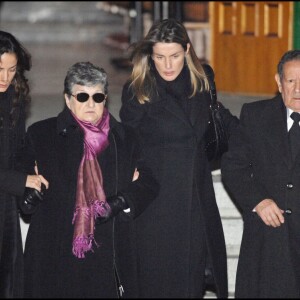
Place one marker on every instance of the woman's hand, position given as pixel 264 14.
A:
pixel 35 181
pixel 136 175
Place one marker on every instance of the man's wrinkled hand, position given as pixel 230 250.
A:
pixel 270 213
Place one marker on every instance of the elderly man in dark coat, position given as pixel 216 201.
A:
pixel 262 172
pixel 81 238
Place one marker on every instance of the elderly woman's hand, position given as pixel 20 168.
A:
pixel 116 204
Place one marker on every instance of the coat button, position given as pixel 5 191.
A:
pixel 290 185
pixel 288 211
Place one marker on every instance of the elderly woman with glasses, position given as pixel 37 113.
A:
pixel 81 242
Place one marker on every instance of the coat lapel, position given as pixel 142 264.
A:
pixel 199 115
pixel 174 108
pixel 200 109
pixel 274 128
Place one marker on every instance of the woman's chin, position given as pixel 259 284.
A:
pixel 3 89
pixel 91 120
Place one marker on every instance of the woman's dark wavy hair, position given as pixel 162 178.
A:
pixel 9 44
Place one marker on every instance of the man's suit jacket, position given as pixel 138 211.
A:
pixel 258 166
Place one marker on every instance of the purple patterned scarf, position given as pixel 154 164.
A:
pixel 90 196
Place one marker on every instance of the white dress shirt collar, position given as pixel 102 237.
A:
pixel 290 121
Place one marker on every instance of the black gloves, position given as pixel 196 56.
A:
pixel 116 203
pixel 31 199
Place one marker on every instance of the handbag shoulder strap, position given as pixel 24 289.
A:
pixel 211 80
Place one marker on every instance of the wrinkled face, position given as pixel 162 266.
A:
pixel 169 59
pixel 88 111
pixel 8 69
pixel 289 86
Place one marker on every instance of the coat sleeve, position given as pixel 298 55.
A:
pixel 237 166
pixel 141 192
pixel 28 162
pixel 12 182
pixel 231 122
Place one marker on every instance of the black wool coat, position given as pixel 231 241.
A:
pixel 181 231
pixel 51 270
pixel 12 184
pixel 256 167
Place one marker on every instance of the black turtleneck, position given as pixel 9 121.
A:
pixel 178 89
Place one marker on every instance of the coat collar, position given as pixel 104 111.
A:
pixel 67 124
pixel 169 95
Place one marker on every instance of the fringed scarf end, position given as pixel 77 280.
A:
pixel 82 245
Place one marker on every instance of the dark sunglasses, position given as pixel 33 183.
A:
pixel 83 97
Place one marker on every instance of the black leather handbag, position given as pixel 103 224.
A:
pixel 216 138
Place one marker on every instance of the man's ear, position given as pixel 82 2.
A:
pixel 277 78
